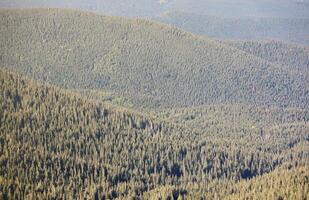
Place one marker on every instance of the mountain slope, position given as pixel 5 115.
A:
pixel 281 53
pixel 154 65
pixel 237 117
pixel 280 184
pixel 56 144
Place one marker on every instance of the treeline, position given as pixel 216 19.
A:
pixel 56 144
pixel 151 64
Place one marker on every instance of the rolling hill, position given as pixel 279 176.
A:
pixel 151 64
pixel 97 107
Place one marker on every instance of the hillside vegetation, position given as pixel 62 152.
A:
pixel 234 118
pixel 95 107
pixel 280 184
pixel 56 144
pixel 290 55
pixel 152 64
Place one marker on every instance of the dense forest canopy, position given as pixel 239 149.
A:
pixel 101 107
pixel 295 57
pixel 60 145
pixel 146 61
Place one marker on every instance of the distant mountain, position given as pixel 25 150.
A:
pixel 249 28
pixel 153 8
pixel 154 65
pixel 228 19
pixel 243 8
pixel 145 8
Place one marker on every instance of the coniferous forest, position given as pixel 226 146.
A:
pixel 101 107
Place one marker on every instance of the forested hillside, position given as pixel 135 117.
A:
pixel 249 28
pixel 56 144
pixel 238 117
pixel 97 107
pixel 280 184
pixel 151 64
pixel 294 56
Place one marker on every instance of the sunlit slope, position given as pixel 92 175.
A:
pixel 280 184
pixel 153 64
pixel 51 138
pixel 57 144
